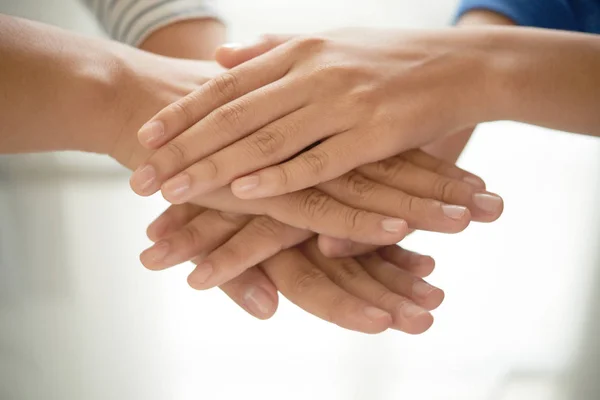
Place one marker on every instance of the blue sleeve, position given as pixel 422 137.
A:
pixel 550 14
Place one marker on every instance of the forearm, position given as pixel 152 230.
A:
pixel 547 78
pixel 52 83
pixel 450 148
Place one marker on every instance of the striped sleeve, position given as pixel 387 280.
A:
pixel 132 21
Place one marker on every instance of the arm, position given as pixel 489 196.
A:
pixel 450 148
pixel 56 89
pixel 52 83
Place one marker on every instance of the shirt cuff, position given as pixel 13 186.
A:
pixel 549 14
pixel 132 21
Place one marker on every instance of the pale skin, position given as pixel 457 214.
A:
pixel 361 96
pixel 98 78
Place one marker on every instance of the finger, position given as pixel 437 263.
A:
pixel 316 211
pixel 309 288
pixel 414 263
pixel 258 240
pixel 270 145
pixel 222 127
pixel 172 219
pixel 357 191
pixel 199 237
pixel 431 163
pixel 350 275
pixel 254 292
pixel 415 180
pixel 230 85
pixel 233 54
pixel 402 282
pixel 326 161
pixel 334 247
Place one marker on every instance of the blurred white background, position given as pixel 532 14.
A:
pixel 80 319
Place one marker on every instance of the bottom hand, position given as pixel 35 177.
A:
pixel 370 293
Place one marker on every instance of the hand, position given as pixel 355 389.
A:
pixel 353 98
pixel 368 294
pixel 370 204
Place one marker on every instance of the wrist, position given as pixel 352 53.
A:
pixel 191 39
pixel 145 84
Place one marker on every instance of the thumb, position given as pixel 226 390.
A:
pixel 233 54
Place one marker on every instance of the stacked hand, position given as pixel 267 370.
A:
pixel 375 203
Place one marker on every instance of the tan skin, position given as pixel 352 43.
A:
pixel 347 91
pixel 127 89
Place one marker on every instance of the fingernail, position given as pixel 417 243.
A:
pixel 375 314
pixel 177 187
pixel 151 132
pixel 143 178
pixel 156 253
pixel 257 301
pixel 454 212
pixel 473 181
pixel 245 184
pixel 411 310
pixel 159 226
pixel 487 202
pixel 394 225
pixel 232 45
pixel 422 289
pixel 201 274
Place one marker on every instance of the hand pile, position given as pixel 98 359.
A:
pixel 298 170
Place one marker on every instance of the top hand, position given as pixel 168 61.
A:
pixel 356 96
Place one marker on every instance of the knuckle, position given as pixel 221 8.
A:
pixel 443 189
pixel 229 115
pixel 183 110
pixel 337 307
pixel 210 168
pixel 266 227
pixel 409 204
pixel 347 271
pixel 231 218
pixel 359 185
pixel 309 43
pixel 305 280
pixel 225 85
pixel 385 297
pixel 177 152
pixel 353 217
pixel 313 203
pixel 265 143
pixel 315 161
pixel 231 253
pixel 191 235
pixel 391 167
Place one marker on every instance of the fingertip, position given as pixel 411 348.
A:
pixel 158 228
pixel 434 299
pixel 143 180
pixel 424 266
pixel 490 206
pixel 333 247
pixel 377 320
pixel 151 134
pixel 413 319
pixel 152 258
pixel 258 302
pixel 199 278
pixel 474 181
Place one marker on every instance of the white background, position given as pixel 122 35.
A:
pixel 81 319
